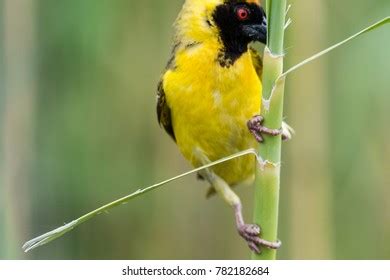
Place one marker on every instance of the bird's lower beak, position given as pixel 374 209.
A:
pixel 257 32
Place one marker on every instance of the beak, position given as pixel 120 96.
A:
pixel 257 32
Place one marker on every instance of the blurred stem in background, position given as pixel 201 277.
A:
pixel 309 186
pixel 17 121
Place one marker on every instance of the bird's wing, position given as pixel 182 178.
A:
pixel 257 62
pixel 163 111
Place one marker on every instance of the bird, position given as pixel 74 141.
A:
pixel 209 96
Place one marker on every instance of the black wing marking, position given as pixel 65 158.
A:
pixel 164 112
pixel 257 62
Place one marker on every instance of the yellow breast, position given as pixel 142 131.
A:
pixel 210 106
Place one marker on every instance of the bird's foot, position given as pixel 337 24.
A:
pixel 255 126
pixel 250 233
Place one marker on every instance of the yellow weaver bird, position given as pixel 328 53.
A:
pixel 209 98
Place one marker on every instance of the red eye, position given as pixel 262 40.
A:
pixel 242 13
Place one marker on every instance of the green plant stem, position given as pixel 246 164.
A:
pixel 60 231
pixel 277 10
pixel 268 177
pixel 372 27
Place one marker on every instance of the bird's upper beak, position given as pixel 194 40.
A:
pixel 257 32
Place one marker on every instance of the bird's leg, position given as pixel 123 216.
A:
pixel 250 232
pixel 255 126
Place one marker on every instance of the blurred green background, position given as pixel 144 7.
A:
pixel 78 129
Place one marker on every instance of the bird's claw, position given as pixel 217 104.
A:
pixel 255 126
pixel 250 233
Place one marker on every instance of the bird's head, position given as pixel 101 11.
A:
pixel 234 22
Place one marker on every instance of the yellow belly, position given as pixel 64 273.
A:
pixel 210 106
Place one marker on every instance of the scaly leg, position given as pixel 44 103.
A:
pixel 255 126
pixel 250 232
